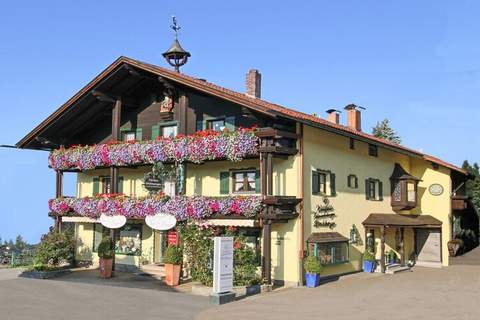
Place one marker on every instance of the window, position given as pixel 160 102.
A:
pixel 169 131
pixel 373 189
pixel 372 150
pixel 244 181
pixel 352 181
pixel 128 136
pixel 106 185
pixel 352 144
pixel 403 189
pixel 216 124
pixel 332 253
pixel 323 183
pixel 128 240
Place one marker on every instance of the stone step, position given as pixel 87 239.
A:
pixel 396 268
pixel 153 270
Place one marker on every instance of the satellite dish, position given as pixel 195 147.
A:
pixel 112 222
pixel 161 221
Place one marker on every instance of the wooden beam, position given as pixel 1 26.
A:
pixel 116 119
pixel 132 71
pixel 382 249
pixel 269 174
pixel 113 98
pixel 58 194
pixel 103 96
pixel 402 246
pixel 267 256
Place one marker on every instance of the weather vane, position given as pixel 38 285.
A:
pixel 175 27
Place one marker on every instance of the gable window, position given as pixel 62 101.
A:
pixel 169 131
pixel 244 181
pixel 129 136
pixel 372 150
pixel 216 124
pixel 352 181
pixel 373 189
pixel 323 182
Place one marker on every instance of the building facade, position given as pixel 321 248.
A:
pixel 322 188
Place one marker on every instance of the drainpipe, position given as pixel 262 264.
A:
pixel 301 207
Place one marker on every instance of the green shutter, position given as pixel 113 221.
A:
pixel 139 134
pixel 333 191
pixel 96 186
pixel 224 182
pixel 380 190
pixel 315 183
pixel 230 123
pixel 257 181
pixel 155 131
pixel 120 185
pixel 367 184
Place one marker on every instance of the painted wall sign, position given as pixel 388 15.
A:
pixel 161 221
pixel 112 222
pixel 222 264
pixel 435 189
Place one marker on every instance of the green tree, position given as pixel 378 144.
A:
pixel 384 131
pixel 20 244
pixel 473 186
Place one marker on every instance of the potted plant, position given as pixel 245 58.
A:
pixel 173 265
pixel 312 271
pixel 391 257
pixel 369 261
pixel 106 254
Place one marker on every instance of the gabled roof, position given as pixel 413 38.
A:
pixel 259 105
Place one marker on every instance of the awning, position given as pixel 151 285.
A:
pixel 80 219
pixel 325 237
pixel 402 220
pixel 229 222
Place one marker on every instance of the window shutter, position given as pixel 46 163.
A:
pixel 155 131
pixel 257 181
pixel 139 134
pixel 333 189
pixel 96 186
pixel 315 183
pixel 230 123
pixel 356 182
pixel 380 190
pixel 120 185
pixel 224 182
pixel 367 184
pixel 349 178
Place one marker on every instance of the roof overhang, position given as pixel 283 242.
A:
pixel 401 220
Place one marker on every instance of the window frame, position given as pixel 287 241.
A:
pixel 355 181
pixel 372 150
pixel 328 188
pixel 330 247
pixel 105 185
pixel 245 173
pixel 162 128
pixel 209 123
pixel 377 189
pixel 127 132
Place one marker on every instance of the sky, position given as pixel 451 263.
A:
pixel 416 63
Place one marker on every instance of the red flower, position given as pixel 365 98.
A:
pixel 237 245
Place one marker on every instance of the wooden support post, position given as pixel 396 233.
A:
pixel 267 257
pixel 58 194
pixel 269 174
pixel 382 249
pixel 402 246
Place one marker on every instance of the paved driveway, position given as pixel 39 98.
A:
pixel 60 299
pixel 433 294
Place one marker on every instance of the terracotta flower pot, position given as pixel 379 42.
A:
pixel 172 274
pixel 106 268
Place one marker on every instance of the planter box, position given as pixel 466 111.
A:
pixel 312 280
pixel 172 274
pixel 369 266
pixel 44 274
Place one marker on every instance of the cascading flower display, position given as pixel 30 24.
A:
pixel 196 148
pixel 182 207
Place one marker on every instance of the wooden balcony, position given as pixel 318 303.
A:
pixel 280 208
pixel 459 202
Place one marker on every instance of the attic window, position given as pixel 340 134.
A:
pixel 372 150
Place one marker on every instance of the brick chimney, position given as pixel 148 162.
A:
pixel 254 83
pixel 333 116
pixel 354 117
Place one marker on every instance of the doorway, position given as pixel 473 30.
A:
pixel 160 243
pixel 428 246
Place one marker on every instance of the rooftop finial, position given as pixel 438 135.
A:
pixel 176 56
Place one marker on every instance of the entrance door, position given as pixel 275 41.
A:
pixel 428 247
pixel 159 245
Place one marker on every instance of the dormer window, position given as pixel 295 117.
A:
pixel 404 189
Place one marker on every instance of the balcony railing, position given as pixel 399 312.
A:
pixel 196 148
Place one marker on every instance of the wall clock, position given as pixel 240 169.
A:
pixel 435 189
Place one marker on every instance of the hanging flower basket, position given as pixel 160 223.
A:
pixel 196 148
pixel 182 207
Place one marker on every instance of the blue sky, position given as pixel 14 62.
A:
pixel 415 63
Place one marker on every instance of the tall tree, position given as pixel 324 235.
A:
pixel 20 244
pixel 384 131
pixel 473 186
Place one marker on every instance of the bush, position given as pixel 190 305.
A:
pixel 173 255
pixel 55 248
pixel 368 256
pixel 105 248
pixel 244 263
pixel 312 265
